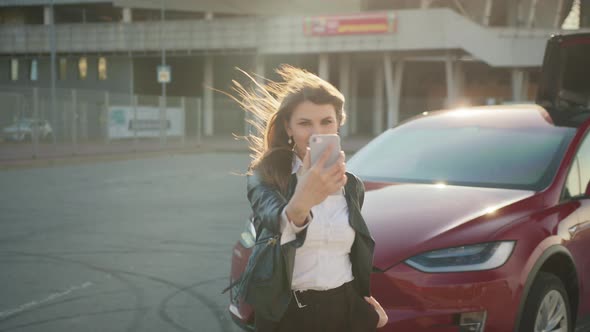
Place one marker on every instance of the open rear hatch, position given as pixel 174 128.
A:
pixel 564 87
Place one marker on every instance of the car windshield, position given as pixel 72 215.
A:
pixel 468 156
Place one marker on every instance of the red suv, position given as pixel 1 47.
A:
pixel 481 216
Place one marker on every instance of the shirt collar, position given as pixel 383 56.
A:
pixel 297 163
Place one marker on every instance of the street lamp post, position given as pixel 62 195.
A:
pixel 54 120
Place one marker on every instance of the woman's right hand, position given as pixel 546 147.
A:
pixel 314 184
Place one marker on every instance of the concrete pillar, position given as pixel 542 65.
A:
pixel 127 15
pixel 260 71
pixel 518 81
pixel 450 74
pixel 378 101
pixel 393 88
pixel 397 92
pixel 558 14
pixel 324 67
pixel 35 133
pixel 532 10
pixel 354 100
pixel 525 86
pixel 74 116
pixel 106 116
pixel 584 13
pixel 84 121
pixel 48 15
pixel 459 77
pixel 344 87
pixel 487 12
pixel 425 3
pixel 183 108
pixel 208 96
pixel 512 13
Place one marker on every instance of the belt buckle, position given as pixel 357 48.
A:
pixel 299 304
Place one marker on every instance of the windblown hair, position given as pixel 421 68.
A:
pixel 269 106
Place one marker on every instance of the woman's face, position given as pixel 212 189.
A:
pixel 308 119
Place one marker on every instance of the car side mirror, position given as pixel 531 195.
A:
pixel 587 192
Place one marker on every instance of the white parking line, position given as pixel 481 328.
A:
pixel 36 303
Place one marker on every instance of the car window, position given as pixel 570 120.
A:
pixel 572 185
pixel 584 161
pixel 524 158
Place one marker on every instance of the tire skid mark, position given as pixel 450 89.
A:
pixel 209 304
pixel 89 314
pixel 164 304
pixel 17 238
pixel 138 293
pixel 56 303
pixel 212 306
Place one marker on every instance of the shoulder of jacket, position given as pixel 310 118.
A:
pixel 253 179
pixel 356 180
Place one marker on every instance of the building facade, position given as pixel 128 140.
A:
pixel 391 59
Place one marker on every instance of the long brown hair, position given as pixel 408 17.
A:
pixel 270 105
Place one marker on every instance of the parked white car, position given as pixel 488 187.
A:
pixel 22 130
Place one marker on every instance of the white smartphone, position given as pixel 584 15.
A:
pixel 319 143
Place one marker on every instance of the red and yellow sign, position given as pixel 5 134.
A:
pixel 375 23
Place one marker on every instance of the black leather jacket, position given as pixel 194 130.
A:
pixel 267 205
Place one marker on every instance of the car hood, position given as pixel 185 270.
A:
pixel 406 219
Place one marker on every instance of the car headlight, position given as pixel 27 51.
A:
pixel 477 257
pixel 248 236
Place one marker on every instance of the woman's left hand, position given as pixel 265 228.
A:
pixel 380 311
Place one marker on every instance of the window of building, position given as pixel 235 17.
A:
pixel 14 69
pixel 63 68
pixel 33 72
pixel 82 68
pixel 102 68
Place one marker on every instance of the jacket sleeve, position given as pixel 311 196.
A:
pixel 267 203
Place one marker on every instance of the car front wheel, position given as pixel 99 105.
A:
pixel 547 307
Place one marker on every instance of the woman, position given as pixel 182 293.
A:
pixel 316 210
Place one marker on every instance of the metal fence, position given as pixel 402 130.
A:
pixel 83 115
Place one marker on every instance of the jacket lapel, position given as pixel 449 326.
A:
pixel 355 218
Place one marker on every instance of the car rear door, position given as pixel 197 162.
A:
pixel 564 86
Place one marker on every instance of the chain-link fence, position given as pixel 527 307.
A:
pixel 91 116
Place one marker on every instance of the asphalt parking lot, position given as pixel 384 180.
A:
pixel 130 245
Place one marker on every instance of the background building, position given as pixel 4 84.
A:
pixel 391 58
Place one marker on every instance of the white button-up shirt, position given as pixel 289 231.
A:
pixel 323 261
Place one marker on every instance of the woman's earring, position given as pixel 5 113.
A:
pixel 290 141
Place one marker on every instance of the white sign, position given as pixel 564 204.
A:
pixel 164 74
pixel 147 124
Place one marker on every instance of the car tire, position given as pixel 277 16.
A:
pixel 547 293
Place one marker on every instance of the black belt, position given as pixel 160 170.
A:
pixel 303 298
